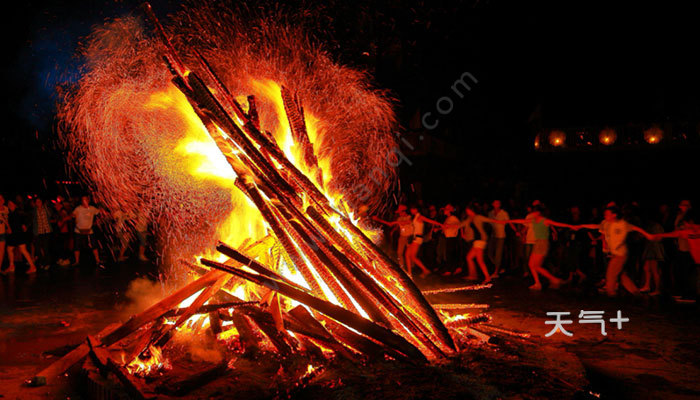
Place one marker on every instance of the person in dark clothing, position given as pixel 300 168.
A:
pixel 430 239
pixel 18 237
pixel 576 247
pixel 42 216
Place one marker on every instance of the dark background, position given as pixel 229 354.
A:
pixel 538 68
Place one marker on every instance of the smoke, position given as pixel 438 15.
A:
pixel 199 347
pixel 141 294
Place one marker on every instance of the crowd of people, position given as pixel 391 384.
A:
pixel 43 233
pixel 645 252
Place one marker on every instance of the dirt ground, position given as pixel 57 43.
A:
pixel 654 356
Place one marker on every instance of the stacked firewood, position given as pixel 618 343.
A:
pixel 356 301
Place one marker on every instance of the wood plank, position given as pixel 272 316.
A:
pixel 48 374
pixel 361 324
pixel 160 308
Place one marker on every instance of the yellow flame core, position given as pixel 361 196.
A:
pixel 205 162
pixel 155 362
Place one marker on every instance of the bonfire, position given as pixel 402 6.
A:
pixel 255 198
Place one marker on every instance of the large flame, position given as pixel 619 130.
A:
pixel 140 145
pixel 143 145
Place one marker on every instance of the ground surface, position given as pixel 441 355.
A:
pixel 655 355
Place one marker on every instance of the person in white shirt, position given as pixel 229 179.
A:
pixel 540 227
pixel 84 216
pixel 615 230
pixel 530 234
pixel 476 253
pixel 418 222
pixel 498 238
pixel 689 230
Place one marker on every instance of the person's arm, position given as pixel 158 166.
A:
pixel 392 223
pixel 494 221
pixel 381 221
pixel 466 222
pixel 642 231
pixel 588 226
pixel 430 221
pixel 674 234
pixel 559 224
pixel 512 226
pixel 515 221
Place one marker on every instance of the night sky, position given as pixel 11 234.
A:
pixel 578 68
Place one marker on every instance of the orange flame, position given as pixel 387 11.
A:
pixel 155 362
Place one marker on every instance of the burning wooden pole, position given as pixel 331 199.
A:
pixel 378 309
pixel 340 314
pixel 420 304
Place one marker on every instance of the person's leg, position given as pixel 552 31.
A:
pixel 95 252
pixel 583 264
pixel 482 265
pixel 470 263
pixel 441 253
pixel 67 245
pixel 535 261
pixel 408 260
pixel 28 257
pixel 656 275
pixel 38 251
pixel 613 273
pixel 526 265
pixel 401 249
pixel 450 254
pixel 491 249
pixel 498 257
pixel 79 242
pixel 628 283
pixel 647 277
pixel 45 249
pixel 554 281
pixel 10 258
pixel 32 249
pixel 415 247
